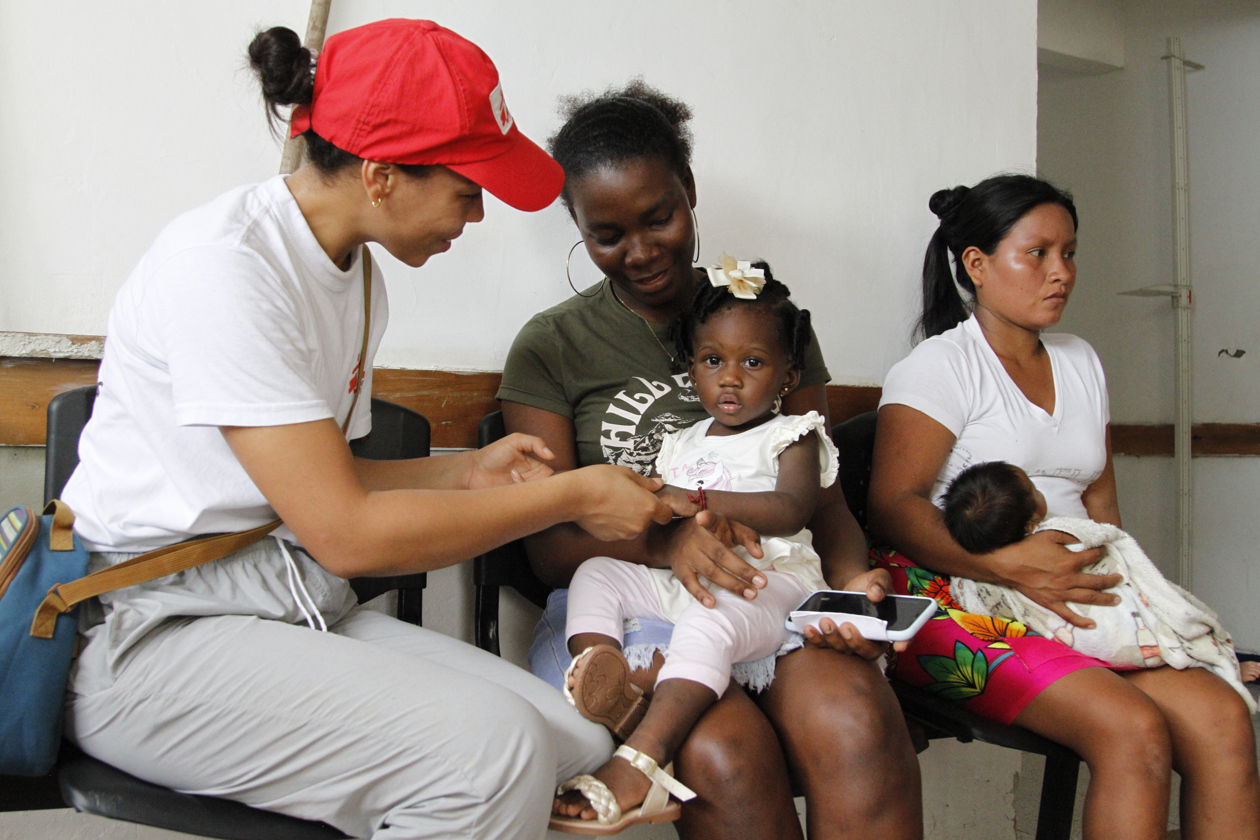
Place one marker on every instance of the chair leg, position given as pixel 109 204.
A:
pixel 1058 797
pixel 411 605
pixel 486 618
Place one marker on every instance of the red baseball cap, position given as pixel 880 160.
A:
pixel 410 91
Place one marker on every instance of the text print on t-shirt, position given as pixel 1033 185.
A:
pixel 626 439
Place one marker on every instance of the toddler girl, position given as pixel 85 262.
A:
pixel 1156 623
pixel 744 341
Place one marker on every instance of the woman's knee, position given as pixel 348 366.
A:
pixel 1222 739
pixel 1132 734
pixel 844 714
pixel 730 750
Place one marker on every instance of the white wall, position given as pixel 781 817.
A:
pixel 821 128
pixel 1107 138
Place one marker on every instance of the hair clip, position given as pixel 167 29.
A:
pixel 739 276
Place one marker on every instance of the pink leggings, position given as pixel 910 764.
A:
pixel 606 592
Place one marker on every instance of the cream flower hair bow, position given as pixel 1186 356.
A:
pixel 739 276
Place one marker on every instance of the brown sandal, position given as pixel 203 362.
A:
pixel 602 691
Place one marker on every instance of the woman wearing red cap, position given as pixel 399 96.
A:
pixel 229 387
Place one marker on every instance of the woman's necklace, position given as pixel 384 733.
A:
pixel 645 321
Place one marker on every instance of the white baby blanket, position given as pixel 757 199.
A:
pixel 1155 623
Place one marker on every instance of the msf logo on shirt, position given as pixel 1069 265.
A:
pixel 356 379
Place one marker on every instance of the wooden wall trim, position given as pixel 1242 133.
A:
pixel 455 401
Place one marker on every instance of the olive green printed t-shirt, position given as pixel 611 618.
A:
pixel 599 364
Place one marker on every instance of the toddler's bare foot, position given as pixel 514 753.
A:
pixel 1250 670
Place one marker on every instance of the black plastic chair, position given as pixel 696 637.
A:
pixel 506 565
pixel 93 787
pixel 855 438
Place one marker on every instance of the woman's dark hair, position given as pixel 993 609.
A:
pixel 636 121
pixel 285 69
pixel 794 332
pixel 988 506
pixel 979 216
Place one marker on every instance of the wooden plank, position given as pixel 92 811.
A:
pixel 26 386
pixel 456 401
pixel 1139 439
pixel 845 401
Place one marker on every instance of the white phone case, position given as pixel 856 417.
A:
pixel 875 629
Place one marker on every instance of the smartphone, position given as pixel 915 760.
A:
pixel 894 619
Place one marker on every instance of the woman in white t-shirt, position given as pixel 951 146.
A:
pixel 227 394
pixel 988 385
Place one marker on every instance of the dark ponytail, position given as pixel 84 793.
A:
pixel 286 71
pixel 979 216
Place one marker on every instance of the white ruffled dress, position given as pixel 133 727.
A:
pixel 747 462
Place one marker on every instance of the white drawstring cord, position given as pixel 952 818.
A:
pixel 295 584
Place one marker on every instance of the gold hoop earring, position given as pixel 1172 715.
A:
pixel 695 227
pixel 569 277
pixel 377 203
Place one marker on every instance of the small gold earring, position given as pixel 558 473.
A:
pixel 377 203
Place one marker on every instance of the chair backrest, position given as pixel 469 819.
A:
pixel 68 413
pixel 397 433
pixel 855 439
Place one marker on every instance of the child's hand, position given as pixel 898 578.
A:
pixel 700 547
pixel 678 500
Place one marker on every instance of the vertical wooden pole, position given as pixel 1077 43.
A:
pixel 1183 302
pixel 316 27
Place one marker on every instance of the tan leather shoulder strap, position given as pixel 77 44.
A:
pixel 367 332
pixel 148 566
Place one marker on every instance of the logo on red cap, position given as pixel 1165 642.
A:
pixel 499 107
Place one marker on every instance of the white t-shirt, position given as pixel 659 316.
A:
pixel 234 317
pixel 956 379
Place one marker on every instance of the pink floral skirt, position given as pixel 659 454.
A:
pixel 991 666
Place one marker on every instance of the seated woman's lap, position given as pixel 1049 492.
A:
pixel 991 666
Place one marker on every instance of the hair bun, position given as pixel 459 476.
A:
pixel 944 202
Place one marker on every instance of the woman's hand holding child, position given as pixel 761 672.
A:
pixel 1040 568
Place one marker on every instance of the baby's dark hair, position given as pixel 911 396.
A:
pixel 794 331
pixel 627 123
pixel 987 506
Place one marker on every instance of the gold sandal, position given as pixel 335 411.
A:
pixel 657 806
